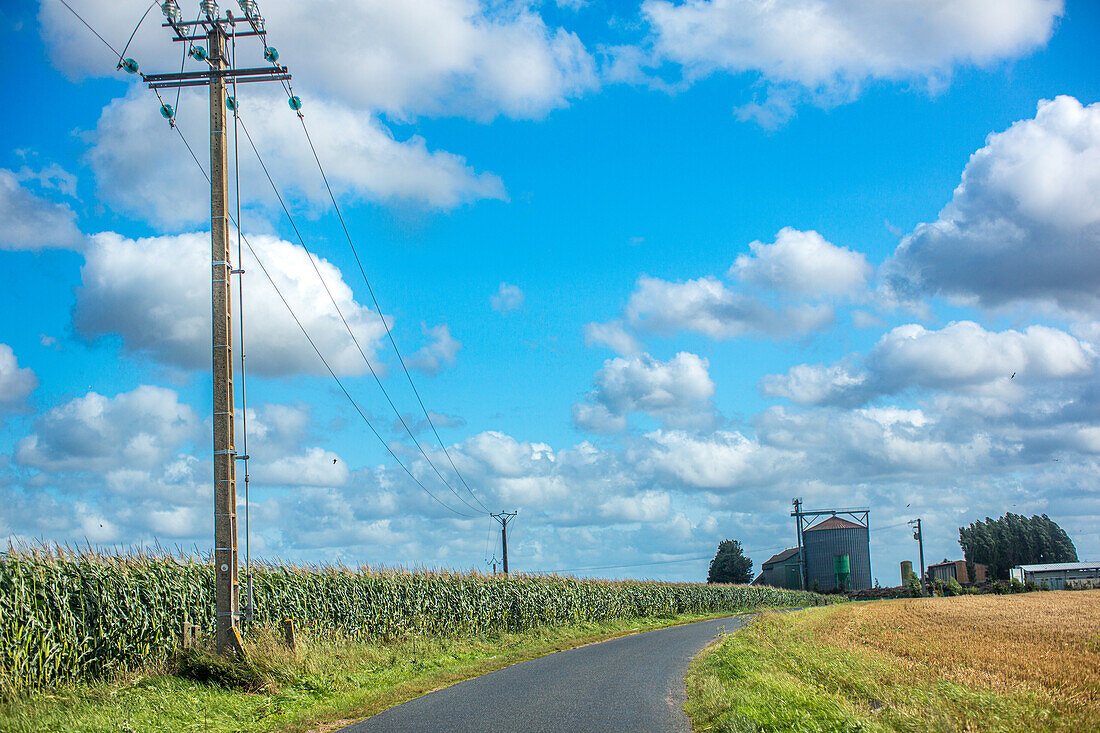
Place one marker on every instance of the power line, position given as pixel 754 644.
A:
pixel 316 350
pixel 362 271
pixel 93 30
pixel 278 292
pixel 340 313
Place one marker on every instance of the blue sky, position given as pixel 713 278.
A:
pixel 657 269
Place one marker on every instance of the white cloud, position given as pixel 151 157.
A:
pixel 720 460
pixel 31 222
pixel 16 382
pixel 961 357
pixel 708 306
pixel 440 353
pixel 677 392
pixel 155 294
pixel 133 153
pixel 445 57
pixel 315 467
pixel 613 335
pixel 831 49
pixel 507 298
pixel 802 263
pixel 139 429
pixel 1023 224
pixel 648 506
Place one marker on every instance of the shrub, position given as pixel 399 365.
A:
pixel 1016 586
pixel 952 588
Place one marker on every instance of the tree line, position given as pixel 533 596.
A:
pixel 1002 544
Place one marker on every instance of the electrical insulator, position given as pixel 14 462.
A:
pixel 166 111
pixel 270 54
pixel 209 8
pixel 248 7
pixel 295 103
pixel 171 11
pixel 231 103
pixel 129 66
pixel 198 53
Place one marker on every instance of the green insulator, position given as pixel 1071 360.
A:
pixel 198 52
pixel 129 66
pixel 270 54
pixel 166 111
pixel 295 103
pixel 231 103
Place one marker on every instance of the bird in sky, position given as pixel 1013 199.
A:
pixel 1013 375
pixel 334 461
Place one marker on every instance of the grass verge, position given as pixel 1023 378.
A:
pixel 325 684
pixel 974 663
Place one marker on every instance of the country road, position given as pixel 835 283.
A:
pixel 633 683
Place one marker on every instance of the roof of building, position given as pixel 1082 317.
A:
pixel 945 562
pixel 1046 567
pixel 781 556
pixel 758 579
pixel 834 523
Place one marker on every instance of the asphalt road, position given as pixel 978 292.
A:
pixel 633 683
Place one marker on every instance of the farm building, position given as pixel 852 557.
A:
pixel 1060 575
pixel 780 571
pixel 837 554
pixel 956 569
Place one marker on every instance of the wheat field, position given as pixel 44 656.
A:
pixel 1044 643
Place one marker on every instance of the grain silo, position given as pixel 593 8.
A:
pixel 838 555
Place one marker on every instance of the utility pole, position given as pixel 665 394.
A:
pixel 215 31
pixel 918 535
pixel 504 518
pixel 797 514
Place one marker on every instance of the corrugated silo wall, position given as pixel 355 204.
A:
pixel 823 545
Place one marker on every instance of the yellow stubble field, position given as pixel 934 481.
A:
pixel 1043 643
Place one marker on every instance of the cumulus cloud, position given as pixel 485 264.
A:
pixel 961 357
pixel 802 263
pixel 710 307
pixel 613 335
pixel 133 154
pixel 155 294
pixel 1023 224
pixel 16 382
pixel 648 506
pixel 440 353
pixel 507 298
pixel 464 57
pixel 830 50
pixel 139 429
pixel 677 392
pixel 31 222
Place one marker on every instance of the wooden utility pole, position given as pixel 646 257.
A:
pixel 918 535
pixel 504 518
pixel 214 30
pixel 226 585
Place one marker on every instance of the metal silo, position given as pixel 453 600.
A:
pixel 838 555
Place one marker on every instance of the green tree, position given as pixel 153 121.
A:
pixel 1013 540
pixel 730 564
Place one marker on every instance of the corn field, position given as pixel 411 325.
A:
pixel 68 616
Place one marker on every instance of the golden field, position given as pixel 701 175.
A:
pixel 1046 643
pixel 1027 662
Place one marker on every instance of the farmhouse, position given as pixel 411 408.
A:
pixel 1060 575
pixel 956 569
pixel 780 571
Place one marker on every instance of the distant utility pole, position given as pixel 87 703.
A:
pixel 918 535
pixel 504 518
pixel 797 514
pixel 215 31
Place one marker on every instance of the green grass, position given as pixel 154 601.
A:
pixel 325 683
pixel 784 673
